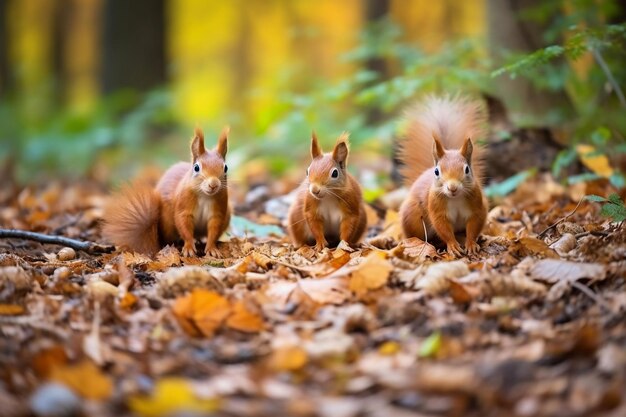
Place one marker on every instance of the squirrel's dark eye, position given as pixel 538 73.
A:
pixel 334 173
pixel 196 167
pixel 466 169
pixel 225 168
pixel 436 172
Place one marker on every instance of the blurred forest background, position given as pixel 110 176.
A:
pixel 103 88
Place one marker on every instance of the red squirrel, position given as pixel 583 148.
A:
pixel 329 205
pixel 190 200
pixel 444 168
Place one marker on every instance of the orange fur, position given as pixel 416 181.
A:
pixel 337 211
pixel 185 204
pixel 441 134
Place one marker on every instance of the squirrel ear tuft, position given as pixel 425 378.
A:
pixel 438 150
pixel 466 150
pixel 340 151
pixel 197 143
pixel 315 146
pixel 222 142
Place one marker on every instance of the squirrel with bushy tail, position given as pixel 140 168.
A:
pixel 442 164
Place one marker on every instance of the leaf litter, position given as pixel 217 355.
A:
pixel 535 324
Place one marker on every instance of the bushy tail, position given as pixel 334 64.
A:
pixel 131 218
pixel 452 120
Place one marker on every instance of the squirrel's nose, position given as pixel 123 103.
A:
pixel 213 183
pixel 453 187
pixel 314 189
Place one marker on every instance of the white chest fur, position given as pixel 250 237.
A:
pixel 458 212
pixel 329 210
pixel 202 213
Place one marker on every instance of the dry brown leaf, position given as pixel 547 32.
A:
pixel 263 261
pixel 531 246
pixel 371 274
pixel 11 310
pixel 168 256
pixel 86 379
pixel 47 359
pixel 244 320
pixel 201 312
pixel 178 281
pixel 135 259
pixel 566 243
pixel 459 293
pixel 552 271
pixel 414 250
pixel 436 278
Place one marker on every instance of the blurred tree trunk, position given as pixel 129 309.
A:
pixel 375 10
pixel 133 47
pixel 7 82
pixel 508 31
pixel 60 21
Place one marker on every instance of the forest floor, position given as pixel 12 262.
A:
pixel 534 325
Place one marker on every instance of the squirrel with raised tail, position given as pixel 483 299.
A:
pixel 190 200
pixel 444 168
pixel 329 205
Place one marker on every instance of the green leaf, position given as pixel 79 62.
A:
pixel 431 345
pixel 509 185
pixel 615 212
pixel 616 199
pixel 562 160
pixel 242 227
pixel 618 180
pixel 595 198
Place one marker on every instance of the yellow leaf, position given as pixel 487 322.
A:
pixel 289 358
pixel 389 348
pixel 597 163
pixel 244 320
pixel 171 396
pixel 85 378
pixel 11 310
pixel 372 274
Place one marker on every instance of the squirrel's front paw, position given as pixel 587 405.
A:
pixel 212 250
pixel 455 249
pixel 189 250
pixel 319 246
pixel 472 248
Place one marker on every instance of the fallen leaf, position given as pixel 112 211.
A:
pixel 531 246
pixel 436 278
pixel 171 396
pixel 47 359
pixel 86 379
pixel 566 243
pixel 11 310
pixel 244 320
pixel 431 345
pixel 169 256
pixel 415 250
pixel 205 309
pixel 288 358
pixel 389 348
pixel 371 274
pixel 595 161
pixel 552 271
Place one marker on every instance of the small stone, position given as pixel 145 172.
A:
pixel 66 254
pixel 54 400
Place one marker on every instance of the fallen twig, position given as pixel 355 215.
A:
pixel 89 247
pixel 555 224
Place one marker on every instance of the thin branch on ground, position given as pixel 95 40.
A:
pixel 555 224
pixel 89 247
